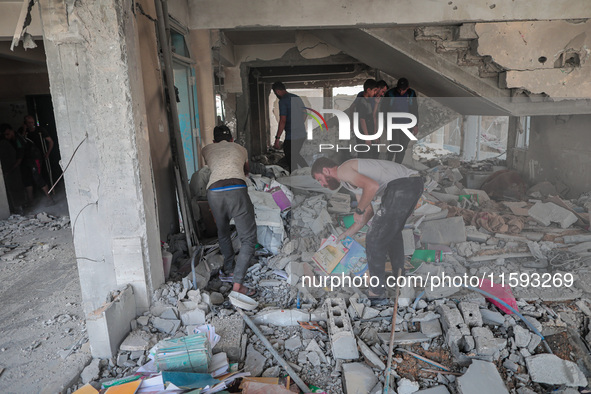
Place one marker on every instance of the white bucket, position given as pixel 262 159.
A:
pixel 166 262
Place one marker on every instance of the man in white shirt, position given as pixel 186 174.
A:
pixel 400 189
pixel 228 199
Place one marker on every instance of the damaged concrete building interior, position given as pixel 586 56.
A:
pixel 116 283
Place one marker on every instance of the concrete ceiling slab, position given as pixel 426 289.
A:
pixel 395 52
pixel 259 37
pixel 302 14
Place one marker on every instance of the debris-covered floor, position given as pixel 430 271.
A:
pixel 476 220
pixel 43 341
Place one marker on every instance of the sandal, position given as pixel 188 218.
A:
pixel 224 278
pixel 250 292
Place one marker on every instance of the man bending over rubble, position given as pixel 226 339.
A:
pixel 400 189
pixel 228 199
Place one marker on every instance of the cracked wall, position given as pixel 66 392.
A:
pixel 551 57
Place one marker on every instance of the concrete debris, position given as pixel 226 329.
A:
pixel 91 372
pixel 547 213
pixel 444 231
pixel 431 328
pixel 486 344
pixel 166 326
pixel 255 361
pixel 550 369
pixel 406 386
pixel 471 314
pixel 320 333
pixel 293 343
pixel 370 357
pixel 492 318
pixel 137 340
pixel 230 330
pixel 358 378
pixel 482 377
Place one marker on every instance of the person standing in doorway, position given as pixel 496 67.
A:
pixel 291 120
pixel 228 199
pixel 42 141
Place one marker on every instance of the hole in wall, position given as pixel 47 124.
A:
pixel 542 59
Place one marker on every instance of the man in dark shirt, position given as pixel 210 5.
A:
pixel 366 125
pixel 11 157
pixel 291 119
pixel 43 142
pixel 401 99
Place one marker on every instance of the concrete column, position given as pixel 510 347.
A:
pixel 511 140
pixel 94 66
pixel 200 43
pixel 470 137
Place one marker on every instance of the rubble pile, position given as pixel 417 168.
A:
pixel 12 230
pixel 522 326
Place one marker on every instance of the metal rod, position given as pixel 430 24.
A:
pixel 269 347
pixel 425 359
pixel 392 334
pixel 176 139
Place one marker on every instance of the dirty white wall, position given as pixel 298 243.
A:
pixel 559 151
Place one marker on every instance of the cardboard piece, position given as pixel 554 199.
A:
pixel 86 389
pixel 126 388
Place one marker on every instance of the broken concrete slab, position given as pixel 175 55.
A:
pixel 471 314
pixel 472 234
pixel 358 378
pixel 407 386
pixel 255 361
pixel 137 340
pixel 293 343
pixel 547 213
pixel 452 318
pixel 193 317
pixel 110 324
pixel 550 369
pixel 522 336
pixel 492 318
pixel 230 329
pixel 443 231
pixel 314 347
pixel 483 378
pixel 431 328
pixel 281 317
pixel 549 294
pixel 166 326
pixel 169 314
pixel 314 359
pixel 518 208
pixel 573 239
pixel 485 342
pixel 370 357
pixel 91 372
